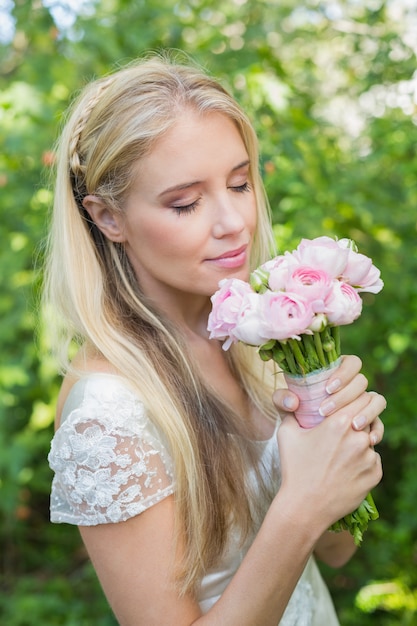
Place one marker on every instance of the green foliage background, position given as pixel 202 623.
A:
pixel 332 89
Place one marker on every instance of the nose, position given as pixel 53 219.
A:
pixel 229 216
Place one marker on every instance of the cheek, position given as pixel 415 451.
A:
pixel 167 239
pixel 253 221
pixel 147 232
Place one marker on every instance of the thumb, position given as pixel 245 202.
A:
pixel 285 400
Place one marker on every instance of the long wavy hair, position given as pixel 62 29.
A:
pixel 92 297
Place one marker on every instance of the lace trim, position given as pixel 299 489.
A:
pixel 108 461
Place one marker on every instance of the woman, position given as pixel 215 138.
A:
pixel 194 507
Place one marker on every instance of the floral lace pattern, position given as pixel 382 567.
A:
pixel 108 459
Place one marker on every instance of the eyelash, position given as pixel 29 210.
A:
pixel 189 208
pixel 242 188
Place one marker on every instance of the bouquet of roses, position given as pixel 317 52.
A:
pixel 292 309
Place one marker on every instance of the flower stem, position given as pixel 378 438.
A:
pixel 291 364
pixel 372 510
pixel 357 521
pixel 311 353
pixel 336 336
pixel 319 349
pixel 329 345
pixel 299 357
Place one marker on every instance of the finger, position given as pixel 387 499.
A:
pixel 349 367
pixel 376 405
pixel 285 400
pixel 377 431
pixel 347 394
pixel 369 417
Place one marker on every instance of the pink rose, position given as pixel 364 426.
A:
pixel 322 253
pixel 272 263
pixel 284 315
pixel 314 285
pixel 362 274
pixel 279 271
pixel 343 306
pixel 249 321
pixel 226 304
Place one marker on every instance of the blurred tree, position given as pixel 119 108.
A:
pixel 331 86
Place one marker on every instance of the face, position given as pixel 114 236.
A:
pixel 190 217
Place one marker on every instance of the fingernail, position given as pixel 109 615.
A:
pixel 359 422
pixel 289 403
pixel 374 439
pixel 326 408
pixel 333 386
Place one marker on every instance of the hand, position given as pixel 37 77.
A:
pixel 344 386
pixel 327 470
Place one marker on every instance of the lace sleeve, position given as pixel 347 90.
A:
pixel 109 462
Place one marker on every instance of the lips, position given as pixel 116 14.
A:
pixel 230 254
pixel 231 260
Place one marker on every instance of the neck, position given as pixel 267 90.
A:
pixel 190 315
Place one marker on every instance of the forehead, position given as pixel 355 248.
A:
pixel 196 142
pixel 191 125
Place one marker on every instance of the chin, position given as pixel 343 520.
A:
pixel 242 274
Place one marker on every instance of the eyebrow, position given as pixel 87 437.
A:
pixel 180 187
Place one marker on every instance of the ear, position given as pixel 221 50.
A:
pixel 110 224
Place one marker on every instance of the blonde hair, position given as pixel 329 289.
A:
pixel 95 299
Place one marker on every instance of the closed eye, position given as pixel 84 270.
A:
pixel 241 188
pixel 186 208
pixel 189 208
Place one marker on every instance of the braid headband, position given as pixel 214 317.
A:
pixel 77 169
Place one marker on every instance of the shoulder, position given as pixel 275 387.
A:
pixel 107 401
pixel 110 461
pixel 85 371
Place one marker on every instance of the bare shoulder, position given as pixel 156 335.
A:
pixel 83 363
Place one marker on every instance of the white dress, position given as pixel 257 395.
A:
pixel 110 464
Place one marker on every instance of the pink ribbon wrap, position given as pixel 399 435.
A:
pixel 311 391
